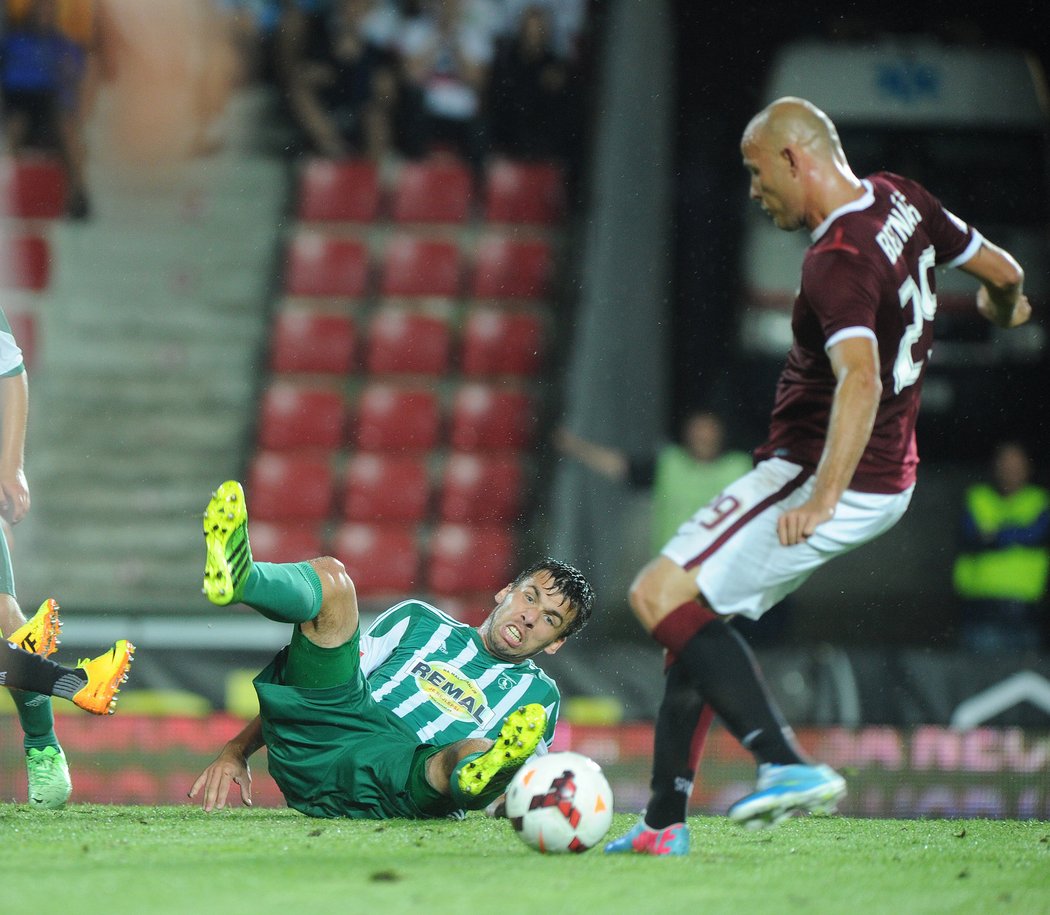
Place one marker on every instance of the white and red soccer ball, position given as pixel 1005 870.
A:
pixel 560 802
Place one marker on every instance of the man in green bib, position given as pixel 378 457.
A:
pixel 419 717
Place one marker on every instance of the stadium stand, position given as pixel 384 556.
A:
pixel 530 193
pixel 324 265
pixel 432 191
pixel 386 487
pixel 506 268
pixel 286 541
pixel 308 341
pixel 382 559
pixel 295 416
pixel 291 486
pixel 339 191
pixel 32 186
pixel 408 413
pixel 420 266
pixel 409 341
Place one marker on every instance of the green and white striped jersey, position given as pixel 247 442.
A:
pixel 10 353
pixel 434 673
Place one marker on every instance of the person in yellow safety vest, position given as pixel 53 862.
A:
pixel 1000 575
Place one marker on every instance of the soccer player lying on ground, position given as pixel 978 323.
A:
pixel 837 470
pixel 93 684
pixel 420 717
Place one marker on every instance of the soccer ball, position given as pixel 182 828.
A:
pixel 560 802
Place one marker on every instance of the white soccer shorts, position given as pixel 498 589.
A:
pixel 731 543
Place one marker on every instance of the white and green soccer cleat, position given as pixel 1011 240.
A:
pixel 229 558
pixel 48 774
pixel 521 733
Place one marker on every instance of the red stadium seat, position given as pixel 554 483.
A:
pixel 308 341
pixel 478 488
pixel 408 341
pixel 420 267
pixel 296 486
pixel 470 558
pixel 344 190
pixel 23 325
pixel 386 487
pixel 395 418
pixel 468 608
pixel 380 558
pixel 293 416
pixel 285 541
pixel 436 191
pixel 489 418
pixel 497 342
pixel 320 265
pixel 25 263
pixel 520 192
pixel 33 187
pixel 509 269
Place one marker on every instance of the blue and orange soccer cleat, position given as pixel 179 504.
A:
pixel 644 840
pixel 39 635
pixel 784 790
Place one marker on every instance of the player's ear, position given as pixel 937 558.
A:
pixel 500 595
pixel 554 646
pixel 788 155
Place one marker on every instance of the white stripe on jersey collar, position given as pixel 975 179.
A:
pixel 861 203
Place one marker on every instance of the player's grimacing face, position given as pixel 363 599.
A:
pixel 529 617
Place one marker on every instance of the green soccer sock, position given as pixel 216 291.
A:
pixel 38 720
pixel 285 592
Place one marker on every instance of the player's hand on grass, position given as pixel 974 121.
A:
pixel 230 768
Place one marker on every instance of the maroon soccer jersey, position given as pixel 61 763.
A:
pixel 869 271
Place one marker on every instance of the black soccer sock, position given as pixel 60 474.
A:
pixel 21 669
pixel 726 674
pixel 678 725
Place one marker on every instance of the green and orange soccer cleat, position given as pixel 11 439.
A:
pixel 104 676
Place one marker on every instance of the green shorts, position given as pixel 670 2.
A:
pixel 335 752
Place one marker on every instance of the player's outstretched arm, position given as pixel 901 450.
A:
pixel 14 407
pixel 855 362
pixel 230 768
pixel 1001 298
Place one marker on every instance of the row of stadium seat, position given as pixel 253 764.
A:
pixel 388 416
pixel 435 191
pixel 398 340
pixel 396 427
pixel 387 559
pixel 413 264
pixel 464 487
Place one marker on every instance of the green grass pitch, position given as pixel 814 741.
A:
pixel 107 859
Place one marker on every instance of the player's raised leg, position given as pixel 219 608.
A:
pixel 93 684
pixel 285 592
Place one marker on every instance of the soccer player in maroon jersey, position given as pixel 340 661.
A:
pixel 836 471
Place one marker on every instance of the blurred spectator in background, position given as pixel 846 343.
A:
pixel 45 52
pixel 682 476
pixel 340 78
pixel 566 18
pixel 1001 572
pixel 446 53
pixel 529 97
